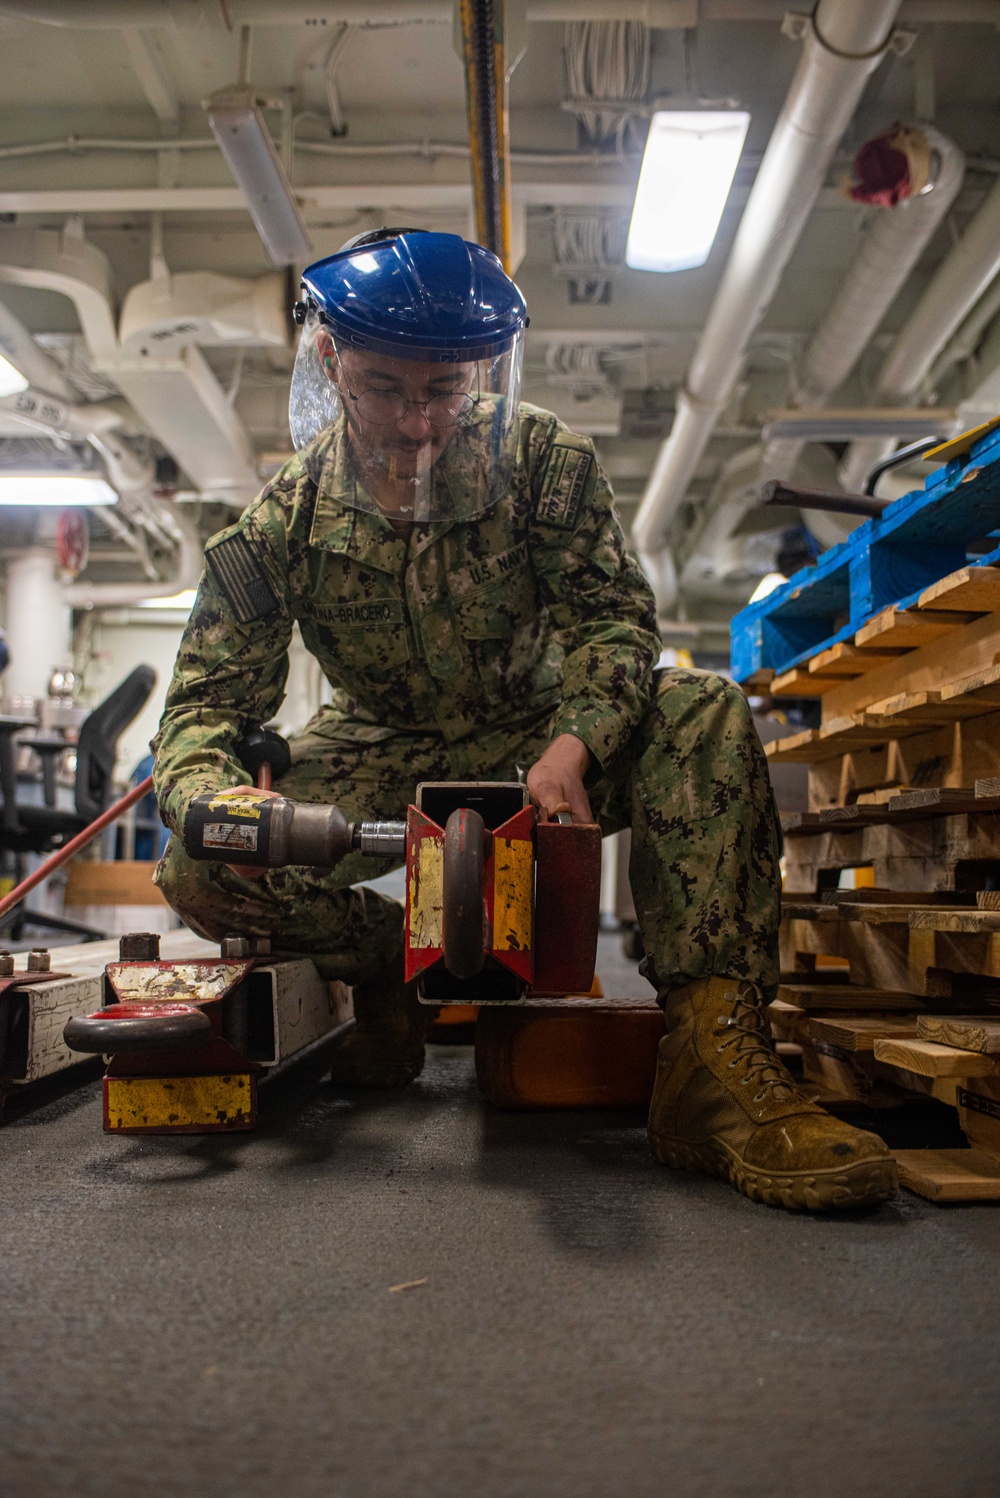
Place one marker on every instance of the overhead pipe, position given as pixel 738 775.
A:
pixel 890 247
pixel 844 41
pixel 961 279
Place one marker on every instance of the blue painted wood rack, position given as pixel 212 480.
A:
pixel 954 520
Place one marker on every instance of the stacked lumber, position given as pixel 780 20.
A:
pixel 892 990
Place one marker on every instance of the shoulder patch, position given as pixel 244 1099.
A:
pixel 563 484
pixel 240 574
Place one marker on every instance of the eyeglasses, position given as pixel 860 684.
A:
pixel 387 407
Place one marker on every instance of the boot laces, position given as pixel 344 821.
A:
pixel 745 1031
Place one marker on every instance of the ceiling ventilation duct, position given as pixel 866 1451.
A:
pixel 176 394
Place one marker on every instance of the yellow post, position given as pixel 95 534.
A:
pixel 487 101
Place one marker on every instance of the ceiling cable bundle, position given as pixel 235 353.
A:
pixel 606 61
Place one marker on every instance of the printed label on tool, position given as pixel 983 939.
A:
pixel 238 804
pixel 230 835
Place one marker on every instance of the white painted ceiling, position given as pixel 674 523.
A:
pixel 403 84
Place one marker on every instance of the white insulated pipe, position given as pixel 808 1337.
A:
pixel 844 42
pixel 38 623
pixel 890 247
pixel 960 280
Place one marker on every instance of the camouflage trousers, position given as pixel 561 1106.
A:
pixel 691 783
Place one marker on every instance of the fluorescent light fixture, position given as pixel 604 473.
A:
pixel 245 142
pixel 58 489
pixel 767 584
pixel 183 601
pixel 687 170
pixel 12 381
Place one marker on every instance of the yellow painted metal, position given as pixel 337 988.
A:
pixel 489 122
pixel 513 891
pixel 962 445
pixel 168 1104
pixel 427 894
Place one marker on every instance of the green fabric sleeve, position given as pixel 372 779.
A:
pixel 600 601
pixel 232 664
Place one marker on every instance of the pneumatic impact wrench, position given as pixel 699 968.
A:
pixel 272 831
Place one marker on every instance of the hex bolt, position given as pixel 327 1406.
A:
pixel 39 960
pixel 235 947
pixel 6 964
pixel 139 946
pixel 260 946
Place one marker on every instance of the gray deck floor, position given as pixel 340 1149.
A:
pixel 214 1316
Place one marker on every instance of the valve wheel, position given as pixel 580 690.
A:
pixel 462 915
pixel 137 1027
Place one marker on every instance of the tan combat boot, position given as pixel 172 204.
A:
pixel 724 1104
pixel 386 1049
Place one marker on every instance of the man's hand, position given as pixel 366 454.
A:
pixel 251 870
pixel 555 782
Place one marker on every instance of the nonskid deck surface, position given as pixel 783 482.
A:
pixel 216 1316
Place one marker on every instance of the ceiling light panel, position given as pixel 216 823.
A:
pixel 59 489
pixel 687 170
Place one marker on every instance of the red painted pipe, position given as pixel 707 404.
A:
pixel 62 855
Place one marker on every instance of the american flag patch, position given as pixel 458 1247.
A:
pixel 240 575
pixel 563 485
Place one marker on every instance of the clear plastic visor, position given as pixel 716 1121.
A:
pixel 415 435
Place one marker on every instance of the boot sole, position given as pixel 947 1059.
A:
pixel 865 1184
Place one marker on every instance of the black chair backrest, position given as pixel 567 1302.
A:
pixel 99 735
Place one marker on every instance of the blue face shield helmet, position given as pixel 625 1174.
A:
pixel 405 392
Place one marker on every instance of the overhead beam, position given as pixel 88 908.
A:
pixel 152 72
pixel 422 195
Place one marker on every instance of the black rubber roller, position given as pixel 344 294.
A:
pixel 137 1027
pixel 463 916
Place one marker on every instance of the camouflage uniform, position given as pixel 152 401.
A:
pixel 459 654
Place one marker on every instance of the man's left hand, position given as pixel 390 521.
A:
pixel 555 782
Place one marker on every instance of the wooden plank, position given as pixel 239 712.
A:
pixel 119 882
pixel 876 915
pixel 907 628
pixel 968 921
pixel 758 681
pixel 981 687
pixel 949 1175
pixel 845 659
pixel 928 1058
pixel 925 707
pixel 802 683
pixel 970 1032
pixel 875 896
pixel 951 658
pixel 974 588
pixel 848 998
pixel 861 1034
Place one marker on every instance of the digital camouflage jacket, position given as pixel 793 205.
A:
pixel 467 624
